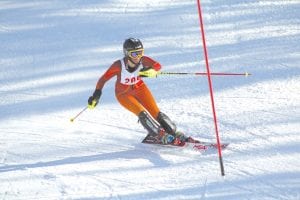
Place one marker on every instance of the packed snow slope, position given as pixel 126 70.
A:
pixel 53 52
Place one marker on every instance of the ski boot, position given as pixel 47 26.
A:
pixel 183 138
pixel 172 140
pixel 167 139
pixel 157 133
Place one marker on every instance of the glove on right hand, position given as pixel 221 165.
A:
pixel 94 100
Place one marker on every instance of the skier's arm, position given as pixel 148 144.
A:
pixel 113 70
pixel 150 63
pixel 151 68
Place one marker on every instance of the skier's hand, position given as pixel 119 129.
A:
pixel 94 100
pixel 150 73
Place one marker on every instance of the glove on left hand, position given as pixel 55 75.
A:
pixel 93 100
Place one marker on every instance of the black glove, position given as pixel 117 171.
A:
pixel 93 100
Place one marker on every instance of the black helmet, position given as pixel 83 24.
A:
pixel 131 44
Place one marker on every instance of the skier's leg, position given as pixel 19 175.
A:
pixel 138 104
pixel 145 97
pixel 130 103
pixel 150 124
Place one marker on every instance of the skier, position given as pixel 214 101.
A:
pixel 134 95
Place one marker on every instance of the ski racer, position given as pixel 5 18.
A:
pixel 135 96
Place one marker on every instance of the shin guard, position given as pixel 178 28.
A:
pixel 166 123
pixel 152 126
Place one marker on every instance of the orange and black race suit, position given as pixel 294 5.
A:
pixel 130 90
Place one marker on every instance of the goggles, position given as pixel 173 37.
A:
pixel 136 53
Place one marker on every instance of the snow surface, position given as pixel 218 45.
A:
pixel 53 52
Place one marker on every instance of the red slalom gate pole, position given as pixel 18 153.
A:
pixel 210 88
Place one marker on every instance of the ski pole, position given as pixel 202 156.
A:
pixel 204 73
pixel 73 118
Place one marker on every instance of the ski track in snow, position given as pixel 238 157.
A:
pixel 52 54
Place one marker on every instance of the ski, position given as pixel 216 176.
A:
pixel 194 145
